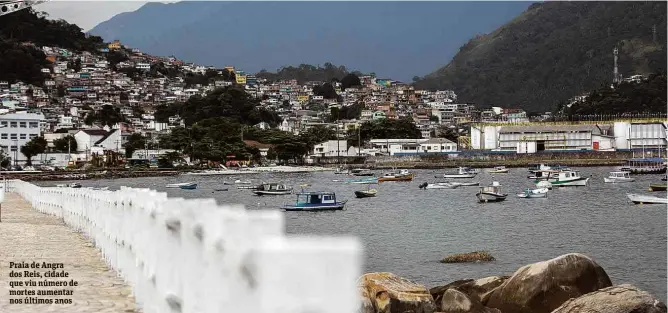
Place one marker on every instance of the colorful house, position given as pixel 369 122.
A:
pixel 115 45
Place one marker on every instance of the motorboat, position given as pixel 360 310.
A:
pixel 643 199
pixel 533 193
pixel 179 185
pixel 568 178
pixel 402 175
pixel 544 167
pixel 542 174
pixel 221 189
pixel 366 193
pixel 645 166
pixel 315 201
pixel 619 177
pixel 462 172
pixel 491 193
pixel 272 189
pixel 444 185
pixel 498 170
pixel 361 172
pixel 370 180
pixel 657 187
pixel 341 170
pixel 189 187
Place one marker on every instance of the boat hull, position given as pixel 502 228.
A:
pixel 503 171
pixel 179 185
pixel 635 170
pixel 531 195
pixel 364 194
pixel 336 207
pixel 485 197
pixel 402 178
pixel 363 174
pixel 618 180
pixel 655 187
pixel 641 199
pixel 272 193
pixel 442 186
pixel 188 187
pixel 580 182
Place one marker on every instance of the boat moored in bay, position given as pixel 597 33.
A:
pixel 533 193
pixel 619 177
pixel 491 193
pixel 268 189
pixel 402 175
pixel 643 199
pixel 315 201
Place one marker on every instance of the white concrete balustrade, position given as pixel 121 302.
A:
pixel 195 256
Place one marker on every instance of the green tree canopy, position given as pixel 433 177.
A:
pixel 33 147
pixel 65 144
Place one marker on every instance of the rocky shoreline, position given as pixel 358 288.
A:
pixel 566 284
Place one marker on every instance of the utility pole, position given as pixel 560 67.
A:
pixel 359 141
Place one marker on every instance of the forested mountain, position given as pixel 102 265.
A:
pixel 21 35
pixel 397 40
pixel 554 51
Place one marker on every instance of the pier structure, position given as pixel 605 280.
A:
pixel 185 255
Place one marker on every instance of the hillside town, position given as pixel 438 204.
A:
pixel 81 84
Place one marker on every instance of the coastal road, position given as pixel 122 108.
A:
pixel 27 236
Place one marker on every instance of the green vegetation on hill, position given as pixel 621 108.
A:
pixel 21 61
pixel 648 96
pixel 305 73
pixel 554 51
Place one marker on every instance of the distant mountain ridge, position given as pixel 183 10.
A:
pixel 396 40
pixel 554 51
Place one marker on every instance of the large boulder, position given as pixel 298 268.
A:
pixel 389 293
pixel 455 301
pixel 472 288
pixel 542 287
pixel 616 299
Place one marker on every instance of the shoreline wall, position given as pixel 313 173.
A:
pixel 195 256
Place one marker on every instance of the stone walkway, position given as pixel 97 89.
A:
pixel 27 235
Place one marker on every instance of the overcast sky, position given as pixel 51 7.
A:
pixel 87 14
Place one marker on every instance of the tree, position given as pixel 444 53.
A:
pixel 65 144
pixel 416 78
pixel 33 147
pixel 327 91
pixel 135 142
pixel 350 80
pixel 108 116
pixel 271 154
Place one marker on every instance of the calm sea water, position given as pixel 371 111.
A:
pixel 406 230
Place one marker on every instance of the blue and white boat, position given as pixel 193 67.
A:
pixel 189 186
pixel 315 201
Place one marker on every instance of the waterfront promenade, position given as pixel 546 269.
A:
pixel 27 235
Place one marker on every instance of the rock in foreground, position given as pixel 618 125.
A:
pixel 455 301
pixel 474 289
pixel 389 293
pixel 477 256
pixel 616 299
pixel 544 286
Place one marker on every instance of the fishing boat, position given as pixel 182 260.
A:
pixel 179 185
pixel 619 177
pixel 272 189
pixel 402 175
pixel 491 193
pixel 315 201
pixel 645 166
pixel 462 172
pixel 189 187
pixel 341 170
pixel 544 167
pixel 568 178
pixel 443 185
pixel 643 199
pixel 498 170
pixel 369 192
pixel 657 187
pixel 533 193
pixel 361 172
pixel 370 180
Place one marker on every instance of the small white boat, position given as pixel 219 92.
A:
pixel 619 177
pixel 533 193
pixel 240 182
pixel 467 184
pixel 642 199
pixel 444 185
pixel 179 185
pixel 462 172
pixel 498 170
pixel 491 193
pixel 544 174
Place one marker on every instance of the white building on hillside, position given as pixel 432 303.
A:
pixel 88 139
pixel 330 148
